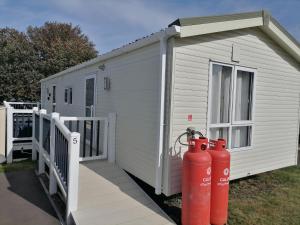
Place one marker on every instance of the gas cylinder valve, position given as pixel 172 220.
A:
pixel 190 133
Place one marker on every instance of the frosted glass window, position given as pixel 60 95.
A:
pixel 241 136
pixel 216 133
pixel 231 105
pixel 221 94
pixel 243 95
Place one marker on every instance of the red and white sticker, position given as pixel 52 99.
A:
pixel 208 171
pixel 226 172
pixel 190 117
pixel 224 180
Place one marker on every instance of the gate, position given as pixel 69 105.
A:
pixel 18 127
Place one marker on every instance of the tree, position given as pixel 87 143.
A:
pixel 26 58
pixel 19 74
pixel 59 46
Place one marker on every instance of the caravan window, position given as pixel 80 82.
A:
pixel 53 94
pixel 231 105
pixel 53 98
pixel 70 96
pixel 66 95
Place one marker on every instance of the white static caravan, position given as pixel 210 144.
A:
pixel 233 76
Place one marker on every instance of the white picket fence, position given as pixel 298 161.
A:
pixel 61 149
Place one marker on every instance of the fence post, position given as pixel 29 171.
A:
pixel 112 137
pixel 72 195
pixel 33 155
pixel 9 133
pixel 52 180
pixel 41 151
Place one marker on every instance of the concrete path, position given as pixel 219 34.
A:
pixel 23 200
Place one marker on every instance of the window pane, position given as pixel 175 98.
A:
pixel 241 136
pixel 216 133
pixel 89 97
pixel 66 95
pixel 54 94
pixel 220 100
pixel 70 96
pixel 243 97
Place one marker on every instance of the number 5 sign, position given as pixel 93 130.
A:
pixel 75 141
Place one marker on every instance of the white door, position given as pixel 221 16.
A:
pixel 90 94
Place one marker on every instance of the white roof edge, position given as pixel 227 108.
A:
pixel 261 19
pixel 281 36
pixel 168 32
pixel 220 26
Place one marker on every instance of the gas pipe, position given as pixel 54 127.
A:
pixel 196 183
pixel 219 181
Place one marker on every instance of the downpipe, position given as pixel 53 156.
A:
pixel 163 65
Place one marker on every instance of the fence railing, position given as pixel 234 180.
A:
pixel 22 105
pixel 46 133
pixel 62 142
pixel 94 136
pixel 36 117
pixel 18 127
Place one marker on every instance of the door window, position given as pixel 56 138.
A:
pixel 89 96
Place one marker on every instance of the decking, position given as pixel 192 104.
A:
pixel 108 196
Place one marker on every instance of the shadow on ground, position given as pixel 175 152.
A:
pixel 23 200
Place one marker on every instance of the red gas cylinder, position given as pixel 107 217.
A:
pixel 196 183
pixel 219 182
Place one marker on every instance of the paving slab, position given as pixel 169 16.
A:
pixel 24 201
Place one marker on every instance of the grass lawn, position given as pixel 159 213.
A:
pixel 271 198
pixel 23 165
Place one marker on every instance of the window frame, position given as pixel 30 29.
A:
pixel 245 69
pixel 68 95
pixel 232 122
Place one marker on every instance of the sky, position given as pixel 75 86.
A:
pixel 110 24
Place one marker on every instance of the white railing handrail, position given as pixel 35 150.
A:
pixel 35 111
pixel 62 127
pixel 22 139
pixel 74 118
pixel 46 116
pixel 22 103
pixel 8 104
pixel 22 110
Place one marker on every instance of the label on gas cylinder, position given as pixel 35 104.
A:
pixel 206 181
pixel 224 180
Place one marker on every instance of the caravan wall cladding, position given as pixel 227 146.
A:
pixel 274 140
pixel 134 96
